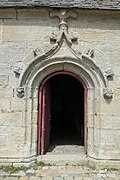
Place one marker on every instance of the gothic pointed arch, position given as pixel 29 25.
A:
pixel 60 54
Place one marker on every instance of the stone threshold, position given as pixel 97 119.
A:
pixel 63 159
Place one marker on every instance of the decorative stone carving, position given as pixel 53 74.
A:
pixel 53 38
pixel 90 52
pixel 109 73
pixel 45 50
pixel 73 38
pixel 37 51
pixel 107 93
pixel 20 92
pixel 17 70
pixel 63 15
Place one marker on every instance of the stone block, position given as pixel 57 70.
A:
pixel 4 104
pixel 35 117
pixel 42 15
pixel 47 178
pixel 11 119
pixel 35 178
pixel 5 68
pixel 24 178
pixel 107 137
pixel 3 139
pixel 1 28
pixel 72 68
pixel 115 56
pixel 8 92
pixel 109 107
pixel 30 173
pixel 22 30
pixel 111 122
pixel 11 178
pixel 16 135
pixel 58 178
pixel 1 92
pixel 14 155
pixel 4 80
pixel 7 13
pixel 18 104
pixel 11 53
pixel 54 67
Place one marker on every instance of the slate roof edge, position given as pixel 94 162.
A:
pixel 79 6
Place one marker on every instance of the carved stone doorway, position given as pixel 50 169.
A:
pixel 61 115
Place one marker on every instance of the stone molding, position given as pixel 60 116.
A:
pixel 90 52
pixel 49 55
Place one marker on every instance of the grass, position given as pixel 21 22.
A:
pixel 111 169
pixel 13 169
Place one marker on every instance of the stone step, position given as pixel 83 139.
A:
pixel 63 159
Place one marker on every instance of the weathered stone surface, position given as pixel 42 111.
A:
pixel 4 105
pixel 11 178
pixel 10 118
pixel 1 28
pixel 58 178
pixel 5 68
pixel 35 178
pixel 33 14
pixel 4 80
pixel 47 178
pixel 64 174
pixel 26 33
pixel 31 173
pixel 16 30
pixel 105 4
pixel 24 178
pixel 17 104
pixel 7 13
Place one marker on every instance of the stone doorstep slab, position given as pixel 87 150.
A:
pixel 63 159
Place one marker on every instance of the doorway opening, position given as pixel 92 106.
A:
pixel 61 116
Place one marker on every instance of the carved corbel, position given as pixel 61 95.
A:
pixel 90 52
pixel 20 92
pixel 36 52
pixel 109 73
pixel 107 93
pixel 53 38
pixel 17 70
pixel 73 38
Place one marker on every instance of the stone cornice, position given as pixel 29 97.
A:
pixel 93 4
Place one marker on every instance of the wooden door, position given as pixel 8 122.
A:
pixel 44 118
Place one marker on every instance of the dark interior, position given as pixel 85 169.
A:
pixel 67 111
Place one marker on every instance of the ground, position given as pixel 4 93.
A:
pixel 42 171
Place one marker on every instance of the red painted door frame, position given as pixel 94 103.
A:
pixel 41 109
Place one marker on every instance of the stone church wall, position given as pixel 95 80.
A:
pixel 21 32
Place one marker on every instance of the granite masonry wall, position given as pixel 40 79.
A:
pixel 25 40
